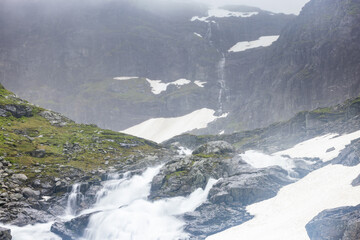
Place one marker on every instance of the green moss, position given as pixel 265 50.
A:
pixel 323 110
pixel 201 155
pixel 176 174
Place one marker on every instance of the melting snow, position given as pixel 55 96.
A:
pixel 285 216
pixel 264 41
pixel 319 147
pixel 222 13
pixel 157 86
pixel 197 34
pixel 261 160
pixel 200 84
pixel 125 78
pixel 161 129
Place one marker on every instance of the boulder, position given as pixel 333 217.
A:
pixel 20 176
pixel 335 224
pixel 72 230
pixel 30 193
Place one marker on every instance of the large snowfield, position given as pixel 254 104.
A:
pixel 285 215
pixel 263 41
pixel 161 129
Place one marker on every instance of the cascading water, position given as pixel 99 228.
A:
pixel 125 212
pixel 72 202
pixel 223 96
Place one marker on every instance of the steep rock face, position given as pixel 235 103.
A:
pixel 335 224
pixel 64 56
pixel 314 63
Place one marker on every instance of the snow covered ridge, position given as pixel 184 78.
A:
pixel 222 13
pixel 263 41
pixel 157 86
pixel 161 129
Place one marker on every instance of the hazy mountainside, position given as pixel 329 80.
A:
pixel 314 63
pixel 65 56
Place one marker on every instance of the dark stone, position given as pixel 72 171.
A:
pixel 330 149
pixel 5 234
pixel 356 182
pixel 73 229
pixel 339 223
pixel 209 219
pixel 18 111
pixel 38 153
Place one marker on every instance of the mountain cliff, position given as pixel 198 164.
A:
pixel 65 56
pixel 314 63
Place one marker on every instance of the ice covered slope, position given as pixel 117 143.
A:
pixel 264 41
pixel 161 129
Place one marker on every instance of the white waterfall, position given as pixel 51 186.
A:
pixel 72 202
pixel 125 213
pixel 223 96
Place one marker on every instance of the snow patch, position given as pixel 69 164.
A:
pixel 263 41
pixel 124 78
pixel 222 13
pixel 326 147
pixel 161 129
pixel 157 86
pixel 197 34
pixel 285 216
pixel 199 83
pixel 261 160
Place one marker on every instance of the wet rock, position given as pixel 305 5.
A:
pixel 73 229
pixel 335 224
pixel 209 219
pixel 5 234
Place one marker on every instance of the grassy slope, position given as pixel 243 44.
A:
pixel 96 148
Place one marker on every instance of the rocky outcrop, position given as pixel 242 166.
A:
pixel 335 224
pixel 216 147
pixel 159 44
pixel 314 63
pixel 5 234
pixel 73 229
pixel 17 111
